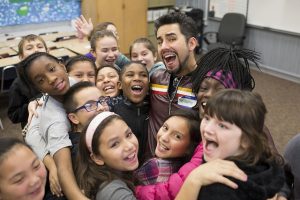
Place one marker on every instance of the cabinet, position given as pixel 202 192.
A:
pixel 156 8
pixel 129 16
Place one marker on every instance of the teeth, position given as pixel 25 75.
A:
pixel 108 87
pixel 136 87
pixel 163 147
pixel 203 104
pixel 131 156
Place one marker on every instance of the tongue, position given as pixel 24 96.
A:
pixel 170 59
pixel 211 145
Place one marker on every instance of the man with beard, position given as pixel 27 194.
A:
pixel 170 88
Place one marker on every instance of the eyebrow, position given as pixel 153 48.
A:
pixel 115 138
pixel 20 173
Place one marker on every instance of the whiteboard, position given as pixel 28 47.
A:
pixel 275 14
pixel 282 15
pixel 221 7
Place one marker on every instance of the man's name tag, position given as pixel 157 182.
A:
pixel 187 101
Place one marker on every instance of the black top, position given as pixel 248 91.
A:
pixel 264 181
pixel 19 97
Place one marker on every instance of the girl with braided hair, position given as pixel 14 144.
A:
pixel 223 68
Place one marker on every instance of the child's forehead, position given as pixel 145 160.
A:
pixel 107 69
pixel 81 63
pixel 135 66
pixel 33 40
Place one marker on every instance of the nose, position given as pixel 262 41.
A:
pixel 34 180
pixel 140 58
pixel 209 127
pixel 102 107
pixel 128 145
pixel 85 78
pixel 209 93
pixel 165 137
pixel 110 54
pixel 164 44
pixel 51 78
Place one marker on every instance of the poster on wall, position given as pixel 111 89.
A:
pixel 218 8
pixel 16 12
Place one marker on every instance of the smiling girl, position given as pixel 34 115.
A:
pixel 107 153
pixel 104 47
pixel 22 175
pixel 176 142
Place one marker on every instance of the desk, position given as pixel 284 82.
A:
pixel 9 61
pixel 10 43
pixel 62 52
pixel 79 46
pixel 53 36
pixel 7 50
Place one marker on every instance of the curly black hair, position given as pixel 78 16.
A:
pixel 237 61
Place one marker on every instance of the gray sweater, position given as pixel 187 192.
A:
pixel 115 190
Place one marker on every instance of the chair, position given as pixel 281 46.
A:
pixel 8 75
pixel 231 32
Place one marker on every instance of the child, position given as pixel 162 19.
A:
pixel 22 174
pixel 45 73
pixel 81 68
pixel 82 102
pixel 176 141
pixel 143 50
pixel 86 28
pixel 232 129
pixel 108 81
pixel 107 152
pixel 19 94
pixel 224 68
pixel 105 48
pixel 134 106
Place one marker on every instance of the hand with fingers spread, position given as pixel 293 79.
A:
pixel 83 27
pixel 209 173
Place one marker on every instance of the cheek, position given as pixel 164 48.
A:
pixel 42 172
pixel 182 146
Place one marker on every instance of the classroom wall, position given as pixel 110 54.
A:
pixel 280 52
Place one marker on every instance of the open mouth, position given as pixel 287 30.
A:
pixel 203 104
pixel 60 85
pixel 110 61
pixel 169 57
pixel 210 145
pixel 137 89
pixel 131 157
pixel 36 191
pixel 162 148
pixel 108 88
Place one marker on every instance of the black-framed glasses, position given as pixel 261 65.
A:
pixel 93 105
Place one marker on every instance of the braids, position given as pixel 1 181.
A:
pixel 234 60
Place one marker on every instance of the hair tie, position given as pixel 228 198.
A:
pixel 96 121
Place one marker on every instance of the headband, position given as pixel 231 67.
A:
pixel 92 127
pixel 224 77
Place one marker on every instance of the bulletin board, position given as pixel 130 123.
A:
pixel 276 15
pixel 17 12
